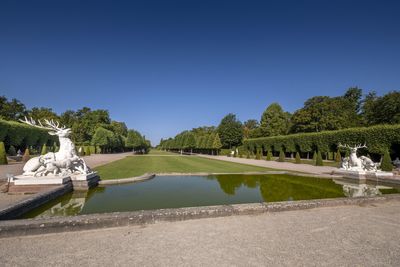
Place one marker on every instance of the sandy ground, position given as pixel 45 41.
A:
pixel 277 165
pixel 334 236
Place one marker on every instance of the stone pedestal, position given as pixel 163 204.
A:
pixel 45 180
pixel 85 181
pixel 365 175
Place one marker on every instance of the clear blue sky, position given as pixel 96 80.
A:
pixel 166 66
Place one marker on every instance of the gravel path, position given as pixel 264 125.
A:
pixel 276 165
pixel 335 236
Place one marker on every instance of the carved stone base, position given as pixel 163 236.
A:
pixel 46 180
pixel 85 181
pixel 364 175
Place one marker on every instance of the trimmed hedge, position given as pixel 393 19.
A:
pixel 378 139
pixel 21 135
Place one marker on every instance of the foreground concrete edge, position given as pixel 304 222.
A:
pixel 94 221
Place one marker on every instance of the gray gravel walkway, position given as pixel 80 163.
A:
pixel 336 236
pixel 276 165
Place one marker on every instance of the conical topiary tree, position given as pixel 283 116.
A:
pixel 3 156
pixel 338 157
pixel 55 147
pixel 298 159
pixel 269 155
pixel 281 156
pixel 319 161
pixel 314 158
pixel 386 164
pixel 87 150
pixel 26 155
pixel 12 151
pixel 258 154
pixel 44 150
pixel 248 154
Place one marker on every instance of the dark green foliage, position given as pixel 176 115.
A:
pixel 385 109
pixel 281 156
pixel 3 156
pixel 322 113
pixel 298 159
pixel 44 149
pixel 274 121
pixel 386 164
pixel 26 155
pixel 11 110
pixel 12 151
pixel 230 131
pixel 248 154
pixel 318 160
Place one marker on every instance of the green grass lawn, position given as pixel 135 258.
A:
pixel 137 165
pixel 159 152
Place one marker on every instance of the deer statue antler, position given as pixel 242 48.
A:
pixel 51 125
pixel 345 146
pixel 361 146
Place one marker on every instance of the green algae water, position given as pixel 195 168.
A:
pixel 190 191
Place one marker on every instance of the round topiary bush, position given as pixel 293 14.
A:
pixel 3 156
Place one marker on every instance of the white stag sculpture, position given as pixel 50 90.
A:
pixel 355 163
pixel 63 162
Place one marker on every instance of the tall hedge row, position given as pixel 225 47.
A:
pixel 21 135
pixel 378 139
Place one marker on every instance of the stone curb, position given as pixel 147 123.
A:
pixel 17 209
pixel 119 219
pixel 127 180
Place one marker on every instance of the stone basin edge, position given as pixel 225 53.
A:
pixel 26 227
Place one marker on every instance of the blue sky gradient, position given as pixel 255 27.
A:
pixel 166 66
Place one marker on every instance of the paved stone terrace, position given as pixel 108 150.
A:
pixel 364 235
pixel 276 165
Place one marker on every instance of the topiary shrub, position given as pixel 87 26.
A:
pixel 386 164
pixel 248 155
pixel 87 151
pixel 3 156
pixel 44 150
pixel 258 154
pixel 281 156
pixel 298 159
pixel 314 158
pixel 12 151
pixel 338 157
pixel 26 155
pixel 319 161
pixel 269 155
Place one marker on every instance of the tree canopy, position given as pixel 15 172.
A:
pixel 230 131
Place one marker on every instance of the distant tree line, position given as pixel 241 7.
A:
pixel 90 129
pixel 318 114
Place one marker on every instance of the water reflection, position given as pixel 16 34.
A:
pixel 190 191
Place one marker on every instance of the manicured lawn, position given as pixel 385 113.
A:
pixel 138 165
pixel 160 152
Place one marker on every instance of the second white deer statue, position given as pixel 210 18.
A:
pixel 355 163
